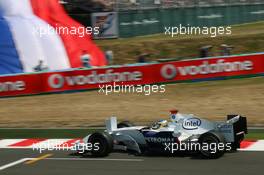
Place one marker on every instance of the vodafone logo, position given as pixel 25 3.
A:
pixel 57 81
pixel 170 71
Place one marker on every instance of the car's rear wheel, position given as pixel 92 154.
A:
pixel 102 144
pixel 125 124
pixel 210 146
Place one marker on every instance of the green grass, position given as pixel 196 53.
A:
pixel 246 38
pixel 77 133
pixel 255 134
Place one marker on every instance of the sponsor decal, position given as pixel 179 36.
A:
pixel 173 116
pixel 159 139
pixel 191 123
pixel 57 81
pixel 169 71
pixel 12 86
pixel 226 128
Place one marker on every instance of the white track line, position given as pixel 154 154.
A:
pixel 9 165
pixel 96 159
pixel 14 163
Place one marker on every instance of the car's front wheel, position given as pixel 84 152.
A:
pixel 102 144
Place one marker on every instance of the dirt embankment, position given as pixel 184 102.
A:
pixel 213 100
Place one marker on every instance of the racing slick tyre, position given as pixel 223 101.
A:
pixel 103 142
pixel 124 124
pixel 210 145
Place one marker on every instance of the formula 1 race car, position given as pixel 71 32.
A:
pixel 184 133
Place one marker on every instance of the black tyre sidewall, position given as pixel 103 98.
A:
pixel 211 138
pixel 105 144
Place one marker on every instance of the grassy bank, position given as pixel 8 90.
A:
pixel 245 38
pixel 210 100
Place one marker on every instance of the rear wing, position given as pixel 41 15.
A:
pixel 239 129
pixel 239 123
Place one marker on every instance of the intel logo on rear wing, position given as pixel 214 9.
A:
pixel 191 123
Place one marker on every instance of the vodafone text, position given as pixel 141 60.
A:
pixel 57 81
pixel 170 71
pixel 12 86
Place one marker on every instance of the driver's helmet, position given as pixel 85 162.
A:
pixel 160 124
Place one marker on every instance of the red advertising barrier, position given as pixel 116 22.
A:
pixel 132 75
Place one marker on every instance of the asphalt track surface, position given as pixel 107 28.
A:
pixel 64 163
